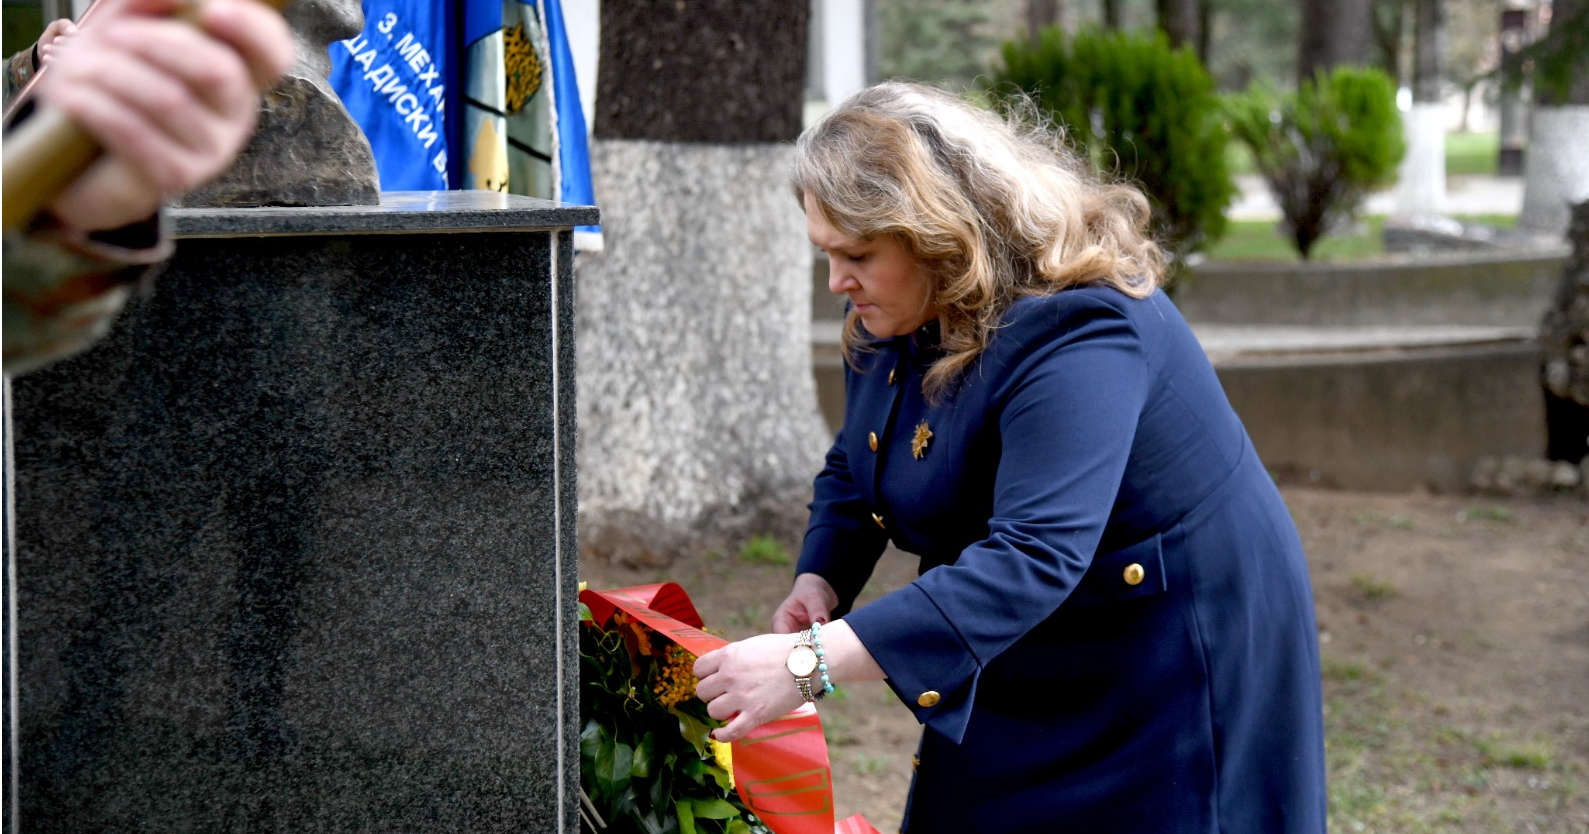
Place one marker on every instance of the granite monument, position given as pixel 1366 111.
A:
pixel 293 549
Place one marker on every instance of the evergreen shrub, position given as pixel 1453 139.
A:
pixel 1322 148
pixel 1137 109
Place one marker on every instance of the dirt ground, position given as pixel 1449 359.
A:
pixel 1455 638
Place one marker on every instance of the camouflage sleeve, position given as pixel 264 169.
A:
pixel 19 71
pixel 63 289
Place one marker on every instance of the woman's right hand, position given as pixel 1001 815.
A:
pixel 811 600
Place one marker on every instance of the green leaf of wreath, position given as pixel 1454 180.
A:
pixel 685 808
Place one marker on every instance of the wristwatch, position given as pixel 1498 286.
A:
pixel 802 663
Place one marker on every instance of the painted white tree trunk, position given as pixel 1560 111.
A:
pixel 1421 183
pixel 694 343
pixel 1555 168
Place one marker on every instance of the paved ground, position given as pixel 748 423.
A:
pixel 1464 195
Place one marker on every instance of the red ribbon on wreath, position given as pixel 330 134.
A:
pixel 781 768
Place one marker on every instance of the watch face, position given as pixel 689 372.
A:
pixel 802 661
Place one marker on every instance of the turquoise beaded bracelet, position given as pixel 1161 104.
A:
pixel 822 659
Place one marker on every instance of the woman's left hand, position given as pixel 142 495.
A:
pixel 747 684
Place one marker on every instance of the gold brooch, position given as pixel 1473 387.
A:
pixel 918 443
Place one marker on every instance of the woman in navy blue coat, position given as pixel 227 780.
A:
pixel 1113 627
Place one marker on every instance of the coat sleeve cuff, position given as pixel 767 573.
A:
pixel 927 662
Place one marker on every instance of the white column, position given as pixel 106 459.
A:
pixel 843 36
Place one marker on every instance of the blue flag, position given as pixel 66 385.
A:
pixel 395 78
pixel 470 94
pixel 573 154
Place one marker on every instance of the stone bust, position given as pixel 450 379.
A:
pixel 307 150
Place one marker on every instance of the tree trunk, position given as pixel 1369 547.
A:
pixel 1387 17
pixel 1333 33
pixel 1178 19
pixel 1205 30
pixel 1112 18
pixel 1041 14
pixel 697 410
pixel 1421 186
pixel 1429 35
pixel 1556 169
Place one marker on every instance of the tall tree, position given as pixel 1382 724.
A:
pixel 697 408
pixel 1205 30
pixel 1333 33
pixel 1041 14
pixel 935 40
pixel 1429 48
pixel 1113 17
pixel 1252 39
pixel 1472 47
pixel 1555 170
pixel 1179 19
pixel 1421 188
pixel 1388 20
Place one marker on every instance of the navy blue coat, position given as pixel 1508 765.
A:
pixel 1113 627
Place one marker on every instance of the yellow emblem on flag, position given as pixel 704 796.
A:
pixel 521 65
pixel 488 165
pixel 918 443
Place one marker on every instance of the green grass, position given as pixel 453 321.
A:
pixel 1371 589
pixel 1401 762
pixel 763 550
pixel 1535 754
pixel 1400 522
pixel 1467 154
pixel 1336 670
pixel 1261 240
pixel 868 765
pixel 1485 512
pixel 1471 153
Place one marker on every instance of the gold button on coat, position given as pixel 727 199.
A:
pixel 1134 574
pixel 871 440
pixel 915 762
pixel 879 519
pixel 929 698
pixel 891 375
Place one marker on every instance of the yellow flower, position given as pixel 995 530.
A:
pixel 675 677
pixel 724 754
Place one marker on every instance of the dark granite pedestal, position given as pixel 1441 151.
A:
pixel 294 548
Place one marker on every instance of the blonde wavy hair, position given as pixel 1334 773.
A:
pixel 994 207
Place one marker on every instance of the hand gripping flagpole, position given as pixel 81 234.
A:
pixel 46 153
